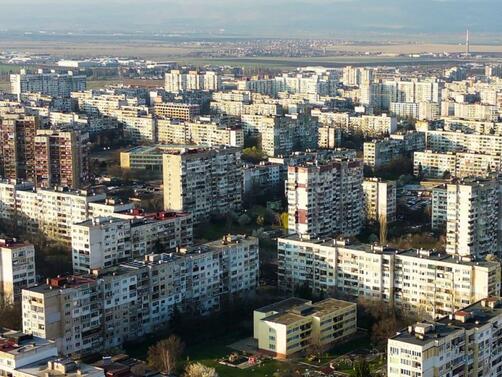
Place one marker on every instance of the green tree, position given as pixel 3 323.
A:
pixel 362 368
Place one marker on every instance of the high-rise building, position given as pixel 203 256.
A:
pixel 91 313
pixel 44 157
pixel 177 81
pixel 61 158
pixel 49 83
pixel 325 198
pixel 473 217
pixel 281 135
pixel 356 76
pixel 380 200
pixel 202 181
pixel 17 268
pixel 17 149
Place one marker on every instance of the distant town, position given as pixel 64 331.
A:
pixel 258 207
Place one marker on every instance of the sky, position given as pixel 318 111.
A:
pixel 280 18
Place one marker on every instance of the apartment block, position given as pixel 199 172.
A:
pixel 92 313
pixel 372 125
pixel 465 343
pixel 475 111
pixel 202 131
pixel 456 141
pixel 17 268
pixel 174 110
pixel 380 201
pixel 422 281
pixel 202 181
pixel 281 135
pixel 48 83
pixel 45 157
pixel 102 242
pixel 17 149
pixel 355 76
pixel 431 164
pixel 54 211
pixel 473 217
pixel 325 198
pixel 61 158
pixel 177 81
pixel 368 125
pixel 264 177
pixel 291 326
pixel 329 137
pixel 378 153
pixel 439 210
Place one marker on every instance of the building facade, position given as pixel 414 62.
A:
pixel 202 181
pixel 89 313
pixel 422 281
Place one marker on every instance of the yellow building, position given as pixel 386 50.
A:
pixel 293 325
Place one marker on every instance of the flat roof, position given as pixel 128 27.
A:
pixel 425 254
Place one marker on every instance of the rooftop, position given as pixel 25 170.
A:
pixel 14 342
pixel 471 317
pixel 386 250
pixel 296 309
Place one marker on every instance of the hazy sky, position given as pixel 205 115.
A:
pixel 256 17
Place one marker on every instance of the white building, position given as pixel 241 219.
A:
pixel 202 181
pixel 92 313
pixel 53 212
pixel 421 281
pixel 473 218
pixel 177 81
pixel 291 326
pixel 380 200
pixel 104 242
pixel 17 268
pixel 466 343
pixel 325 198
pixel 49 83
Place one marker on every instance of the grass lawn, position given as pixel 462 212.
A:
pixel 208 354
pixel 9 68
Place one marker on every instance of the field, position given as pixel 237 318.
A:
pixel 170 50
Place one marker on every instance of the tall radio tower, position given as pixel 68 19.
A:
pixel 467 45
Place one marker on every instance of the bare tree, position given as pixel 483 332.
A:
pixel 164 355
pixel 382 219
pixel 200 370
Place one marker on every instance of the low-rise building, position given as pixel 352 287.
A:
pixel 293 325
